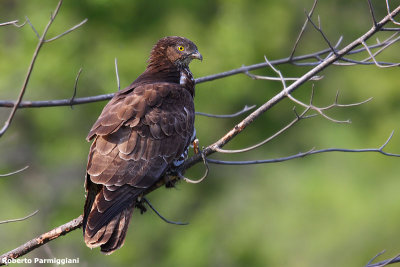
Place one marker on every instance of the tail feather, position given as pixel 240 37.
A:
pixel 117 238
pixel 107 227
pixel 111 236
pixel 102 236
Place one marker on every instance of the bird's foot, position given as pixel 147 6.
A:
pixel 140 205
pixel 196 146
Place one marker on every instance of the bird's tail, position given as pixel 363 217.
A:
pixel 106 219
pixel 112 235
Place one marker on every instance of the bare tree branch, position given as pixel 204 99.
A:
pixel 292 123
pixel 395 259
pixel 319 29
pixel 243 69
pixel 376 256
pixel 57 103
pixel 77 223
pixel 332 56
pixel 307 106
pixel 377 63
pixel 42 40
pixel 41 240
pixel 295 85
pixel 310 152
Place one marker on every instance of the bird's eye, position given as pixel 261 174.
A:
pixel 181 48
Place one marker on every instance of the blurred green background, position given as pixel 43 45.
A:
pixel 324 210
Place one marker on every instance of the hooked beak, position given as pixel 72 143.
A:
pixel 196 55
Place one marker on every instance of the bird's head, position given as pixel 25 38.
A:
pixel 177 50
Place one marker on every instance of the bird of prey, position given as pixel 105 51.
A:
pixel 141 132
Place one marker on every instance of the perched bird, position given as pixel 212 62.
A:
pixel 141 132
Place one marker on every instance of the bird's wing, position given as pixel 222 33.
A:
pixel 139 133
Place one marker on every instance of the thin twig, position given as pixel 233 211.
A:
pixel 240 112
pixel 162 217
pixel 190 181
pixel 268 78
pixel 389 41
pixel 32 27
pixel 371 10
pixel 319 29
pixel 116 73
pixel 373 58
pixel 335 47
pixel 311 106
pixel 293 122
pixel 20 219
pixel 28 75
pixel 67 31
pixel 75 86
pixel 13 23
pixel 388 11
pixel 14 172
pixel 303 29
pixel 336 104
pixel 57 103
pixel 376 256
pixel 383 263
pixel 390 29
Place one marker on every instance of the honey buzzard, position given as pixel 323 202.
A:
pixel 143 130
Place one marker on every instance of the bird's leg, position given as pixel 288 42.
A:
pixel 140 205
pixel 177 167
pixel 170 181
pixel 196 147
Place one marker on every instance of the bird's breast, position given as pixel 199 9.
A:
pixel 186 78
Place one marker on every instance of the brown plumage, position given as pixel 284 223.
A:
pixel 142 130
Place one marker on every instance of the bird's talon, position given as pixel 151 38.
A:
pixel 196 146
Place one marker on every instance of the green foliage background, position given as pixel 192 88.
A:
pixel 325 210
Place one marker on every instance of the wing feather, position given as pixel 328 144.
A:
pixel 159 135
pixel 138 134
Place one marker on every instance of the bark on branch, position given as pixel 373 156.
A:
pixel 41 240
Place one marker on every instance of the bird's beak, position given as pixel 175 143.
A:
pixel 196 55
